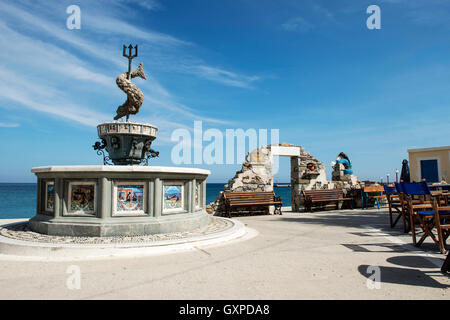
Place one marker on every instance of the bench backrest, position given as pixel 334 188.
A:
pixel 324 194
pixel 259 196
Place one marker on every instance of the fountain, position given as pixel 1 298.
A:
pixel 124 196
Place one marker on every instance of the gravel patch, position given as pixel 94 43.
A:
pixel 22 231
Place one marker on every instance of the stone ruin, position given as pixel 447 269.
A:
pixel 307 173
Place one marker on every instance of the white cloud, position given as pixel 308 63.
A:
pixel 9 125
pixel 64 109
pixel 47 58
pixel 146 4
pixel 222 76
pixel 110 25
pixel 30 54
pixel 298 24
pixel 173 60
pixel 58 31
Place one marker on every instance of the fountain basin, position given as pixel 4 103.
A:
pixel 127 143
pixel 102 201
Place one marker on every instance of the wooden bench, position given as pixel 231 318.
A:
pixel 313 197
pixel 251 199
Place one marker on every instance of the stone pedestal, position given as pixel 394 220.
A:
pixel 119 200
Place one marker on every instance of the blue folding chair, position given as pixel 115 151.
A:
pixel 404 205
pixel 395 205
pixel 421 212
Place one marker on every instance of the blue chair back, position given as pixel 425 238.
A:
pixel 399 187
pixel 389 189
pixel 416 188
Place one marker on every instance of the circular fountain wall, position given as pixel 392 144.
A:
pixel 102 201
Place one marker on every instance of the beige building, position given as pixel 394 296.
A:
pixel 431 164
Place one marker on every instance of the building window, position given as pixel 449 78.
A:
pixel 429 170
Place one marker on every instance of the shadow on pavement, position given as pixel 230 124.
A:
pixel 376 247
pixel 357 219
pixel 353 218
pixel 415 262
pixel 405 276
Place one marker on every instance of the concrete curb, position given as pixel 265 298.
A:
pixel 12 249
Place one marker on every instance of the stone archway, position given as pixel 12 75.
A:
pixel 307 172
pixel 256 174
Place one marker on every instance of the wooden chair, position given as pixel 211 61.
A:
pixel 368 194
pixel 404 202
pixel 426 218
pixel 251 199
pixel 442 221
pixel 418 203
pixel 395 206
pixel 446 265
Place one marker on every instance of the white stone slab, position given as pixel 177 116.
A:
pixel 285 151
pixel 143 169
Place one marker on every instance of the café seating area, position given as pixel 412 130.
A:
pixel 423 209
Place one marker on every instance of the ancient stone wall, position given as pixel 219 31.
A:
pixel 255 175
pixel 307 173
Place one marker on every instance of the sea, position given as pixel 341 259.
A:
pixel 18 200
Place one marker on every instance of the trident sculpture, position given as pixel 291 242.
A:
pixel 130 57
pixel 135 96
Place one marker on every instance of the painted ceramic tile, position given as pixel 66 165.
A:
pixel 130 197
pixel 49 196
pixel 197 195
pixel 173 197
pixel 82 197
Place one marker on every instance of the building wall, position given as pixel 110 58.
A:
pixel 442 154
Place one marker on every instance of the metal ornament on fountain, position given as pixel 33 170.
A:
pixel 127 143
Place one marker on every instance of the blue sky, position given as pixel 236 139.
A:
pixel 309 68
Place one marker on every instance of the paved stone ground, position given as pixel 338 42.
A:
pixel 22 231
pixel 323 255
